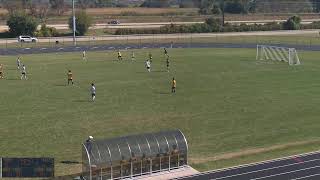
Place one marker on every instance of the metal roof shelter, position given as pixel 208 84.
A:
pixel 134 155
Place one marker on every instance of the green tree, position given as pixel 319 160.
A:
pixel 83 22
pixel 293 23
pixel 22 24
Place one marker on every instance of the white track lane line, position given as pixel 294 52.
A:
pixel 307 177
pixel 257 163
pixel 260 170
pixel 273 175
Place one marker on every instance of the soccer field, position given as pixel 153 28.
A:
pixel 226 102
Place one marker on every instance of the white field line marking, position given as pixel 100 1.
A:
pixel 277 167
pixel 257 163
pixel 313 175
pixel 273 175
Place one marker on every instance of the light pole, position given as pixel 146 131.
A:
pixel 222 8
pixel 74 24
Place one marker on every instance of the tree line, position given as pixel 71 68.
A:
pixel 216 25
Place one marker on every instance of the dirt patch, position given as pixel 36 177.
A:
pixel 248 152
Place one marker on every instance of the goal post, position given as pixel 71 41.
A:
pixel 275 53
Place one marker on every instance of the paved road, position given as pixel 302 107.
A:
pixel 17 51
pixel 313 33
pixel 302 167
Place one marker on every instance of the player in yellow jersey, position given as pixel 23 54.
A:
pixel 1 71
pixel 70 77
pixel 119 55
pixel 174 85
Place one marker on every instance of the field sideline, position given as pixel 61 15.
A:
pixel 226 102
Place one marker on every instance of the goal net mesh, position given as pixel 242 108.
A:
pixel 289 55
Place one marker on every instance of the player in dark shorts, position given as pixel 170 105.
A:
pixel 174 85
pixel 119 56
pixel 93 92
pixel 70 77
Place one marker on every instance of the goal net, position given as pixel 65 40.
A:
pixel 289 55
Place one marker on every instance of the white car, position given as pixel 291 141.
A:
pixel 27 39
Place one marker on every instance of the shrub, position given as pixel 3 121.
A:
pixel 21 24
pixel 293 23
pixel 47 31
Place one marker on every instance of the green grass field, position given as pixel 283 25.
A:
pixel 226 102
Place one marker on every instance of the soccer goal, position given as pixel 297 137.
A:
pixel 289 55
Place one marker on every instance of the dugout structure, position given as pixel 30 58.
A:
pixel 135 155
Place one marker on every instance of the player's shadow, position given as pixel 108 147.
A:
pixel 70 162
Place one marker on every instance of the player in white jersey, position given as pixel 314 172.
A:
pixel 148 65
pixel 18 62
pixel 84 55
pixel 93 91
pixel 23 72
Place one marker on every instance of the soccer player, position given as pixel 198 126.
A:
pixel 150 56
pixel 93 91
pixel 165 51
pixel 119 55
pixel 84 55
pixel 174 85
pixel 168 63
pixel 70 77
pixel 89 144
pixel 148 65
pixel 133 56
pixel 18 62
pixel 23 72
pixel 1 71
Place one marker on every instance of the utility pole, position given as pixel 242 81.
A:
pixel 74 24
pixel 222 8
